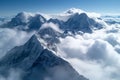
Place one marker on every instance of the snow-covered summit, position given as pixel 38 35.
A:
pixel 74 10
pixel 25 21
pixel 36 22
pixel 23 16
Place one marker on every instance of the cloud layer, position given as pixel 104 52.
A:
pixel 96 55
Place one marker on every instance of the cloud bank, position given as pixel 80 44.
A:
pixel 96 55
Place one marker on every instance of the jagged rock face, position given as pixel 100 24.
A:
pixel 50 66
pixel 36 22
pixel 56 21
pixel 26 22
pixel 19 19
pixel 38 63
pixel 78 22
pixel 81 22
pixel 49 35
pixel 23 55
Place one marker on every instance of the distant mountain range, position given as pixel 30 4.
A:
pixel 77 21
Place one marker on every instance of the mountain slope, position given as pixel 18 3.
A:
pixel 38 63
pixel 81 22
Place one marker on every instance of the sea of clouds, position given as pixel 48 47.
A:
pixel 96 55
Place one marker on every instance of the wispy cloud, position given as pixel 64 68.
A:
pixel 10 38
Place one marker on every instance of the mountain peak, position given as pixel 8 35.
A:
pixel 38 63
pixel 82 16
pixel 23 16
pixel 74 10
pixel 20 19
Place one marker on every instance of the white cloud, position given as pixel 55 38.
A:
pixel 10 38
pixel 73 11
pixel 96 55
pixel 51 25
pixel 93 14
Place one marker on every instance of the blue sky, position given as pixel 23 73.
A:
pixel 11 7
